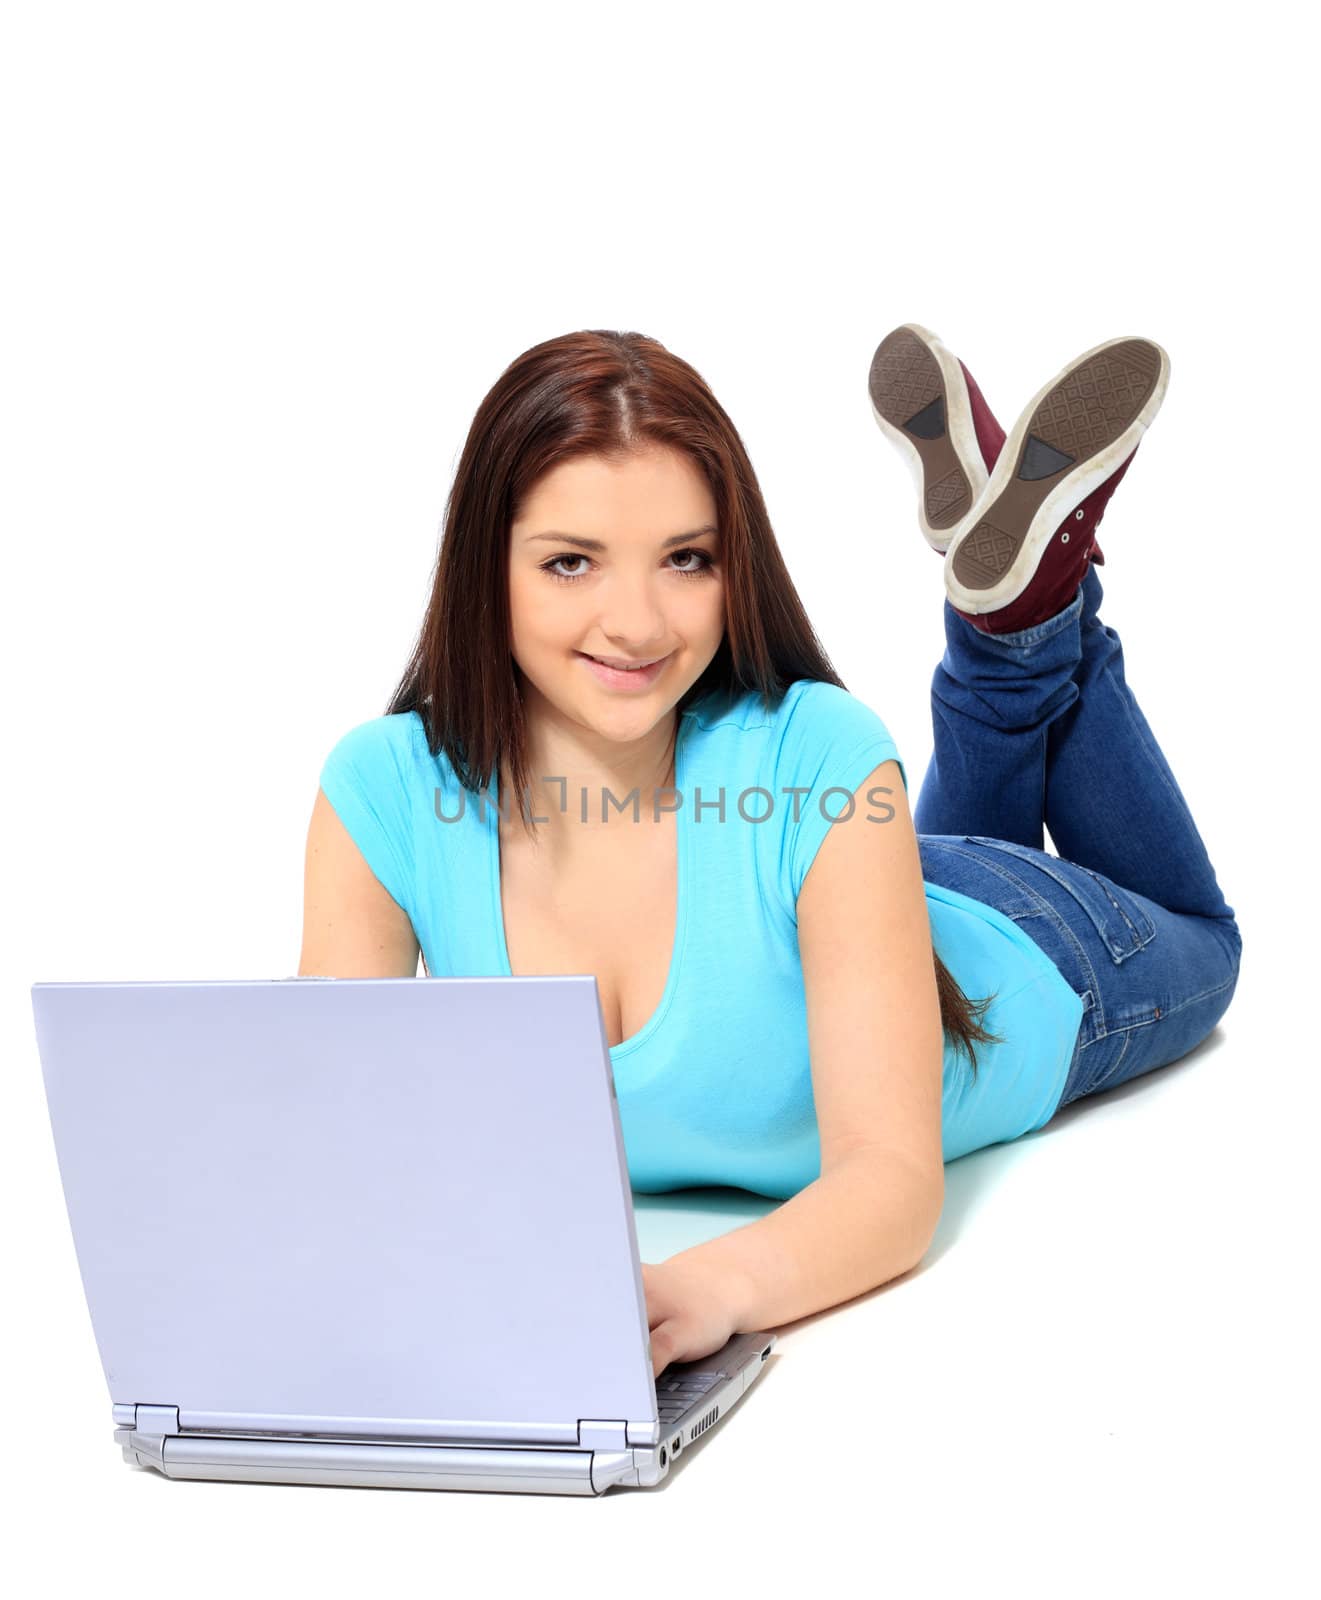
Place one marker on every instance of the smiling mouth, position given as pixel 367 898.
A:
pixel 617 666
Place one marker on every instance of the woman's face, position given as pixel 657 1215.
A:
pixel 615 560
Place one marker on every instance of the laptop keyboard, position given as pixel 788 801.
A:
pixel 675 1394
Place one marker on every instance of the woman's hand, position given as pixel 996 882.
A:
pixel 690 1312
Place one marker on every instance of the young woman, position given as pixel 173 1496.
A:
pixel 619 749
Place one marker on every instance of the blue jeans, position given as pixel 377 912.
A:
pixel 1041 727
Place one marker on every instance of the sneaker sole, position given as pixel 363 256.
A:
pixel 1069 439
pixel 920 402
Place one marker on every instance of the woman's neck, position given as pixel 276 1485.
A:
pixel 579 785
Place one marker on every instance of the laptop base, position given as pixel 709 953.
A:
pixel 344 1463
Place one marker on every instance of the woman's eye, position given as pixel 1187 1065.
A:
pixel 704 564
pixel 704 561
pixel 551 565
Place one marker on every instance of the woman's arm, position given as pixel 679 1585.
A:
pixel 352 928
pixel 869 975
pixel 866 1221
pixel 877 1054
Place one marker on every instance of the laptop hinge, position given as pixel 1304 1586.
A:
pixel 602 1435
pixel 141 1432
pixel 148 1419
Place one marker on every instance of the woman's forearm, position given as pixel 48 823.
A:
pixel 865 1221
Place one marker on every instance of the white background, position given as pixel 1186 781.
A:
pixel 261 264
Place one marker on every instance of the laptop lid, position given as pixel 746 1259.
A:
pixel 363 1208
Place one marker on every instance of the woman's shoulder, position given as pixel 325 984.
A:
pixel 387 750
pixel 814 734
pixel 818 721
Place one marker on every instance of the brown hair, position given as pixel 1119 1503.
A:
pixel 609 394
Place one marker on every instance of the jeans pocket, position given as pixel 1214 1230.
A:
pixel 1123 926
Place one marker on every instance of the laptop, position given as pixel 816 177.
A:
pixel 366 1231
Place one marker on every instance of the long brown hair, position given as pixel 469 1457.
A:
pixel 602 393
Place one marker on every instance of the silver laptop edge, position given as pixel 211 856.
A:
pixel 260 1185
pixel 151 1437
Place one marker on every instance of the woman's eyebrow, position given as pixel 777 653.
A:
pixel 599 544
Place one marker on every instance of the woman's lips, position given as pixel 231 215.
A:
pixel 614 678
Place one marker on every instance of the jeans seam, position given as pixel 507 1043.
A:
pixel 1128 1031
pixel 1159 1013
pixel 1114 1065
pixel 1194 998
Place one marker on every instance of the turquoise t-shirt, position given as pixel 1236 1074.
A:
pixel 716 1087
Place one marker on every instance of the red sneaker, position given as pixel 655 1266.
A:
pixel 928 405
pixel 1021 552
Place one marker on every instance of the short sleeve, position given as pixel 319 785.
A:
pixel 367 779
pixel 829 743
